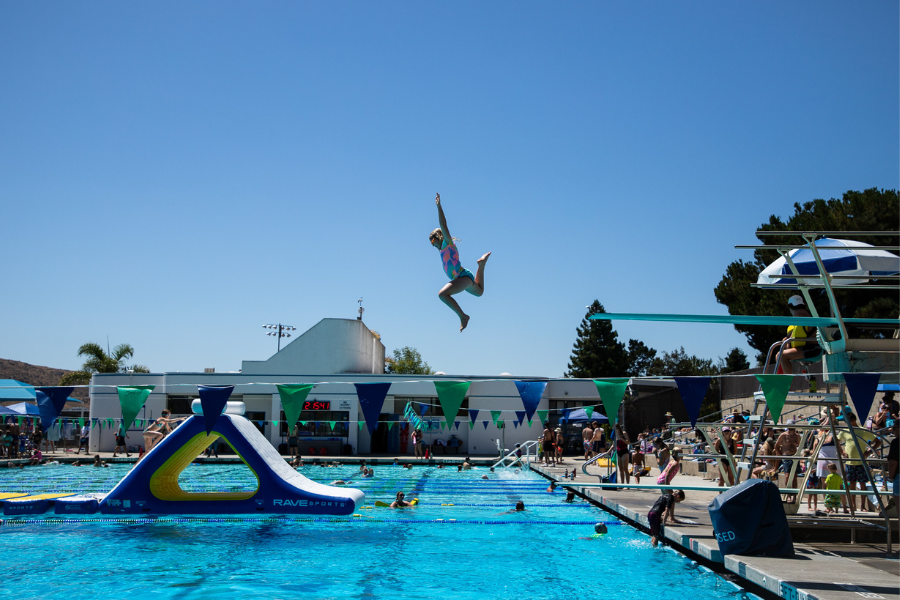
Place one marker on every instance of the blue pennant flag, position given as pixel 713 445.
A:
pixel 531 393
pixel 692 390
pixel 371 399
pixel 473 413
pixel 456 424
pixel 862 388
pixel 485 424
pixel 520 416
pixel 213 399
pixel 50 403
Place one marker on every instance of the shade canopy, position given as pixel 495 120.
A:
pixel 839 257
pixel 579 415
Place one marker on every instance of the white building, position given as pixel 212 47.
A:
pixel 335 354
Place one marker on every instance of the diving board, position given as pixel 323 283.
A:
pixel 741 319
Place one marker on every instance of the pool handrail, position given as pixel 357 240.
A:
pixel 526 447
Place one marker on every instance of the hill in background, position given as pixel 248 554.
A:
pixel 36 376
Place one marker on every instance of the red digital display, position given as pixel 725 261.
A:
pixel 317 405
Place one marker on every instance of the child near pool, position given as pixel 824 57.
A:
pixel 460 279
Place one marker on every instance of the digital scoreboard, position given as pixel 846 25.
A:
pixel 317 405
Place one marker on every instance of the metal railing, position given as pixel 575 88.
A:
pixel 515 459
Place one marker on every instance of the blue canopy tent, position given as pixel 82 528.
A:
pixel 25 408
pixel 7 411
pixel 888 387
pixel 10 389
pixel 578 415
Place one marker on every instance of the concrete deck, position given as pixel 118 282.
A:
pixel 827 571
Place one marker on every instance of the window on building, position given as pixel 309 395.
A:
pixel 258 418
pixel 318 423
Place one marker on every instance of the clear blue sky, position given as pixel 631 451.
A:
pixel 174 175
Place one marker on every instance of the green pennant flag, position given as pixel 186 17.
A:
pixel 302 423
pixel 542 415
pixel 471 425
pixel 529 422
pixel 360 423
pixel 442 425
pixel 274 423
pixel 139 423
pixel 589 412
pixel 390 424
pixel 331 423
pixel 450 395
pixel 132 399
pixel 292 399
pixel 775 388
pixel 81 422
pixel 495 414
pixel 611 391
pixel 21 421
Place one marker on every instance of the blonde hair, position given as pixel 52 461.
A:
pixel 437 234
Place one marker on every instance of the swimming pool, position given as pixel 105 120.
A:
pixel 468 550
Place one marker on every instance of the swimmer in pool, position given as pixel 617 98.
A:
pixel 552 487
pixel 400 502
pixel 460 279
pixel 599 531
pixel 520 507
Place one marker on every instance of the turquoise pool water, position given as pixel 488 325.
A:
pixel 418 553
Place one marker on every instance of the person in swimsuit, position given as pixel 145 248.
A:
pixel 547 446
pixel 460 279
pixel 623 457
pixel 400 502
pixel 663 510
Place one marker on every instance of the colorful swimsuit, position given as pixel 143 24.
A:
pixel 450 258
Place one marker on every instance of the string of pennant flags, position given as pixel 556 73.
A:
pixel 213 399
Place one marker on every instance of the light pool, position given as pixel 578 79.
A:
pixel 418 553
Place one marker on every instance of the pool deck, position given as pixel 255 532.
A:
pixel 823 571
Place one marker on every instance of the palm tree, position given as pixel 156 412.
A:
pixel 98 361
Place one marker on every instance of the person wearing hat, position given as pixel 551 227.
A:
pixel 798 349
pixel 559 443
pixel 720 449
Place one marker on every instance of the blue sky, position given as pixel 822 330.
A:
pixel 174 175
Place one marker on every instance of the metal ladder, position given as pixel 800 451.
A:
pixel 516 460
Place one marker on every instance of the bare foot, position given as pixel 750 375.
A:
pixel 463 321
pixel 483 259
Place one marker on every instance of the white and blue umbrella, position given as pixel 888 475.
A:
pixel 840 257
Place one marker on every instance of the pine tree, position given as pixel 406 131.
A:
pixel 597 352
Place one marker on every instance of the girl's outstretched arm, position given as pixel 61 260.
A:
pixel 442 221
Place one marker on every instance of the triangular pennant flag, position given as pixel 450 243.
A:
pixel 542 415
pixel 456 424
pixel 495 414
pixel 81 422
pixel 471 425
pixel 611 393
pixel 862 388
pixel 450 395
pixel 473 414
pixel 588 411
pixel 274 423
pixel 360 423
pixel 529 422
pixel 50 402
pixel 485 424
pixel 422 408
pixel 213 399
pixel 515 424
pixel 132 399
pixel 303 423
pixel 530 392
pixel 139 423
pixel 442 425
pixel 332 424
pixel 292 399
pixel 775 388
pixel 693 391
pixel 390 424
pixel 371 399
pixel 261 423
pixel 520 415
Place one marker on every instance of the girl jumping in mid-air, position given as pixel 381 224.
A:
pixel 460 279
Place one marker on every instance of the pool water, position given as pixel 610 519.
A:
pixel 473 549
